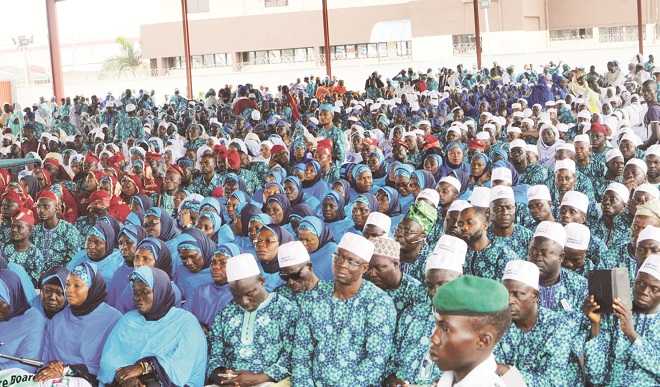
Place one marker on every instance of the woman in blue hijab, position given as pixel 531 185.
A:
pixel 75 337
pixel 433 163
pixel 298 212
pixel 100 248
pixel 334 215
pixel 210 299
pixel 455 163
pixel 480 169
pixel 150 252
pixel 235 204
pixel 320 245
pixel 376 163
pixel 195 250
pixel 421 179
pixel 294 192
pixel 363 205
pixel 313 183
pixel 402 175
pixel 51 298
pixel 390 205
pixel 129 237
pixel 159 224
pixel 362 181
pixel 21 326
pixel 211 224
pixel 240 227
pixel 157 341
pixel 279 209
pixel 26 280
pixel 141 203
pixel 269 238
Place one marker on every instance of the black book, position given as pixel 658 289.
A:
pixel 606 285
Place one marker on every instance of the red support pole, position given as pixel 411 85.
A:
pixel 477 32
pixel 640 26
pixel 186 48
pixel 326 39
pixel 54 46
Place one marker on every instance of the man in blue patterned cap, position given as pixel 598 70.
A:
pixel 329 130
pixel 472 314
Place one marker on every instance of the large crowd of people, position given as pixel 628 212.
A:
pixel 434 228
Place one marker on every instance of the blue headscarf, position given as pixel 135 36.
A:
pixel 424 178
pixel 160 252
pixel 105 232
pixel 357 171
pixel 368 199
pixel 228 249
pixel 242 198
pixel 168 228
pixel 336 197
pixel 317 169
pixel 296 182
pixel 170 335
pixel 283 201
pixel 393 201
pixel 132 232
pixel 212 203
pixel 317 227
pixel 194 239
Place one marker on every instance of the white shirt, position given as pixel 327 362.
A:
pixel 483 375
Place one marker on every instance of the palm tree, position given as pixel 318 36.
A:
pixel 129 59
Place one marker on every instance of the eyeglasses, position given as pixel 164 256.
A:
pixel 340 260
pixel 295 276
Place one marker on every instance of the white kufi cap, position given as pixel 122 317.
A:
pixel 358 245
pixel 242 266
pixel 292 253
pixel 522 271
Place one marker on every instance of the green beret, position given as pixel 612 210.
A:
pixel 471 295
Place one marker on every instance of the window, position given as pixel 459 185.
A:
pixel 361 51
pixel 300 55
pixel 274 56
pixel 340 52
pixel 404 48
pixel 197 61
pixel 572 34
pixel 198 6
pixel 173 62
pixel 275 3
pixel 261 57
pixel 288 56
pixel 372 50
pixel 220 59
pixel 464 44
pixel 382 50
pixel 618 34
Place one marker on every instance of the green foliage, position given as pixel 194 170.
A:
pixel 128 60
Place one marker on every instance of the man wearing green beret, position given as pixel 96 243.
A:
pixel 472 314
pixel 329 130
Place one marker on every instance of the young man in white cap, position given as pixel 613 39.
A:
pixel 129 126
pixel 614 164
pixel 300 282
pixel 576 256
pixel 538 343
pixel 385 272
pixel 539 206
pixel 328 349
pixel 642 194
pixel 485 258
pixel 528 173
pixel 613 227
pixel 624 255
pixel 623 347
pixel 559 288
pixel 377 225
pixel 652 159
pixel 648 243
pixel 451 220
pixel 634 174
pixel 251 338
pixel 411 362
pixel 566 179
pixel 583 163
pixel 503 227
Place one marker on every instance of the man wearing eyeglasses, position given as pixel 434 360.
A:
pixel 295 265
pixel 345 337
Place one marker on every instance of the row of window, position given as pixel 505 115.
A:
pixel 605 34
pixel 293 55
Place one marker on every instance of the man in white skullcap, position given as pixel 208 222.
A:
pixel 485 258
pixel 128 126
pixel 528 172
pixel 613 227
pixel 430 195
pixel 614 164
pixel 327 350
pixel 624 255
pixel 295 264
pixel 411 362
pixel 573 208
pixel 583 162
pixel 652 160
pixel 385 272
pixel 448 189
pixel 501 176
pixel 451 219
pixel 623 347
pixel 539 341
pixel 377 225
pixel 503 227
pixel 539 206
pixel 256 353
pixel 642 194
pixel 648 242
pixel 480 197
pixel 560 288
pixel 567 178
pixel 634 173
pixel 578 237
